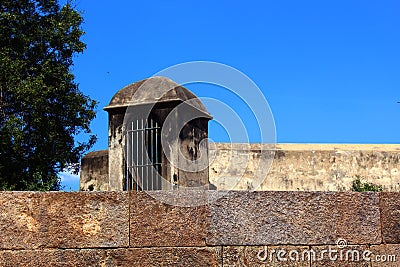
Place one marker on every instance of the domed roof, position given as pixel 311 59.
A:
pixel 154 90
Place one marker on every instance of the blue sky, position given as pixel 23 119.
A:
pixel 330 70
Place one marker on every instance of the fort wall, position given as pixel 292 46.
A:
pixel 295 167
pixel 311 167
pixel 133 229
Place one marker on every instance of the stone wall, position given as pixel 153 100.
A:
pixel 239 229
pixel 94 171
pixel 296 167
pixel 311 167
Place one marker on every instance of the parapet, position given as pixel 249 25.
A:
pixel 311 167
pixel 134 229
pixel 296 167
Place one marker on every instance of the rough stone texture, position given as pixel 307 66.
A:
pixel 308 167
pixel 390 217
pixel 113 257
pixel 154 224
pixel 63 220
pixel 206 256
pixel 92 228
pixel 155 89
pixel 263 218
pixel 386 255
pixel 53 257
pixel 116 141
pixel 263 256
pixel 349 256
pixel 94 171
pixel 192 151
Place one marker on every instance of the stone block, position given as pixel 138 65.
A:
pixel 297 218
pixel 206 256
pixel 390 217
pixel 385 255
pixel 334 256
pixel 264 256
pixel 30 220
pixel 113 257
pixel 52 257
pixel 156 224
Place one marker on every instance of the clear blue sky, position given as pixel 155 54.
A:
pixel 330 70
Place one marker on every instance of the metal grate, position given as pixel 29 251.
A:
pixel 143 155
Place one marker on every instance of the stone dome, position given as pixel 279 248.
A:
pixel 154 90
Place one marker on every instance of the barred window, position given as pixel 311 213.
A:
pixel 143 155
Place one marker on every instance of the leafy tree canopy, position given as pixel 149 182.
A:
pixel 41 107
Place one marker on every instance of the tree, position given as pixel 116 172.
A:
pixel 42 109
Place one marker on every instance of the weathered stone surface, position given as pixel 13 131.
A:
pixel 304 167
pixel 153 223
pixel 116 163
pixel 334 256
pixel 94 171
pixel 53 257
pixel 64 220
pixel 206 256
pixel 385 255
pixel 113 257
pixel 310 167
pixel 390 216
pixel 159 98
pixel 298 218
pixel 264 256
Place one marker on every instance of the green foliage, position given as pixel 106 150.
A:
pixel 361 186
pixel 41 107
